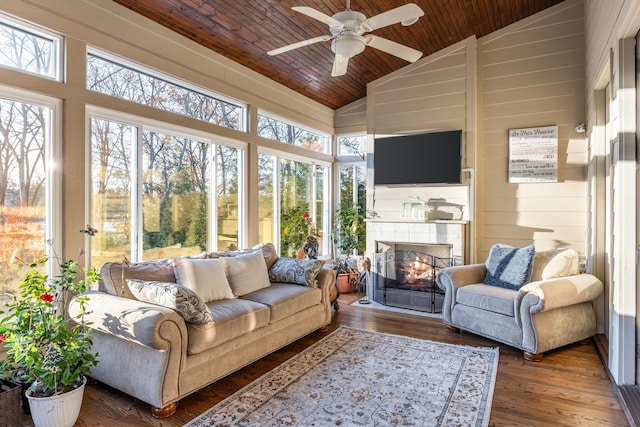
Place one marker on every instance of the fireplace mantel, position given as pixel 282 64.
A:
pixel 450 232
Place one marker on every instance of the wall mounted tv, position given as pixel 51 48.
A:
pixel 420 159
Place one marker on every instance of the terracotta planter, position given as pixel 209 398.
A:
pixel 347 282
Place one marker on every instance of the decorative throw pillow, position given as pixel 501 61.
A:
pixel 509 267
pixel 186 302
pixel 115 274
pixel 554 263
pixel 246 273
pixel 205 277
pixel 298 271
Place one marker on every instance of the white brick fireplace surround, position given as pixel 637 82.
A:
pixel 427 232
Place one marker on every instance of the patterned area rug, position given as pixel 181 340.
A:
pixel 360 378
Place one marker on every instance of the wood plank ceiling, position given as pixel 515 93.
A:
pixel 245 30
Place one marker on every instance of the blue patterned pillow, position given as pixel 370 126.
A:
pixel 183 300
pixel 509 267
pixel 298 271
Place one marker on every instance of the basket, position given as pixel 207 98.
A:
pixel 10 403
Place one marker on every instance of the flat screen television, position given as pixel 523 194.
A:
pixel 420 159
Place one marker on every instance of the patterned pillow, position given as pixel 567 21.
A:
pixel 186 302
pixel 509 267
pixel 298 271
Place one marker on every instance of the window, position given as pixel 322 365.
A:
pixel 353 202
pixel 25 48
pixel 28 193
pixel 293 196
pixel 139 85
pixel 277 130
pixel 352 145
pixel 165 209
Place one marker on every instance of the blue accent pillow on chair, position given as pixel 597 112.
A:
pixel 509 267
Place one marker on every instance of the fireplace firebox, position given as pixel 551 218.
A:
pixel 405 278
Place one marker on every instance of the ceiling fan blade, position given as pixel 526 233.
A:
pixel 298 44
pixel 409 13
pixel 340 64
pixel 396 49
pixel 316 14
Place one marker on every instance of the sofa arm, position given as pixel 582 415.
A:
pixel 146 324
pixel 326 279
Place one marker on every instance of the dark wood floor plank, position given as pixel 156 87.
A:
pixel 570 387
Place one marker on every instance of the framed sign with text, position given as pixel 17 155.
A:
pixel 533 154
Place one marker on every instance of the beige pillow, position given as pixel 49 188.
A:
pixel 205 277
pixel 554 263
pixel 246 273
pixel 115 274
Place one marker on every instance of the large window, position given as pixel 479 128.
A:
pixel 294 195
pixel 278 130
pixel 117 79
pixel 352 205
pixel 27 190
pixel 29 49
pixel 165 209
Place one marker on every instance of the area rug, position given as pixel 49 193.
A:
pixel 360 378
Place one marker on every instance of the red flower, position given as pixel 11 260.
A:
pixel 2 338
pixel 46 297
pixel 305 216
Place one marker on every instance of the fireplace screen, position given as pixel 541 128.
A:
pixel 406 279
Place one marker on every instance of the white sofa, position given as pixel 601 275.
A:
pixel 151 352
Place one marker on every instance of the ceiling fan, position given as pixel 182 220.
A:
pixel 348 36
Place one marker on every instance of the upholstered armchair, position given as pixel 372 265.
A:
pixel 533 301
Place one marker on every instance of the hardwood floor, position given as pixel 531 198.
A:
pixel 570 387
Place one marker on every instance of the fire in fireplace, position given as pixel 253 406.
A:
pixel 406 279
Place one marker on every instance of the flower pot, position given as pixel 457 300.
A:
pixel 60 410
pixel 347 282
pixel 10 402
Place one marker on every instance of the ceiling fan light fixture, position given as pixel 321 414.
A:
pixel 348 45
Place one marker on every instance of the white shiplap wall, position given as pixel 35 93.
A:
pixel 428 96
pixel 532 74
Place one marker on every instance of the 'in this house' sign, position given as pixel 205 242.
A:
pixel 533 154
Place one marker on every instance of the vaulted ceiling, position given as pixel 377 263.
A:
pixel 245 30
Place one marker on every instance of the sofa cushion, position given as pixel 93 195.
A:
pixel 267 249
pixel 205 277
pixel 246 273
pixel 231 318
pixel 297 271
pixel 509 267
pixel 486 297
pixel 184 301
pixel 285 299
pixel 115 274
pixel 555 263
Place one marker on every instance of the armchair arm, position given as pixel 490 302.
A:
pixel 451 278
pixel 146 324
pixel 545 295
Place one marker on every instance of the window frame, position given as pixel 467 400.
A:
pixel 53 186
pixel 328 137
pixel 56 39
pixel 171 79
pixel 277 207
pixel 147 124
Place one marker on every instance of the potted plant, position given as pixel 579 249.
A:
pixel 49 349
pixel 347 276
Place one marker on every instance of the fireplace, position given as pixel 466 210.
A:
pixel 404 274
